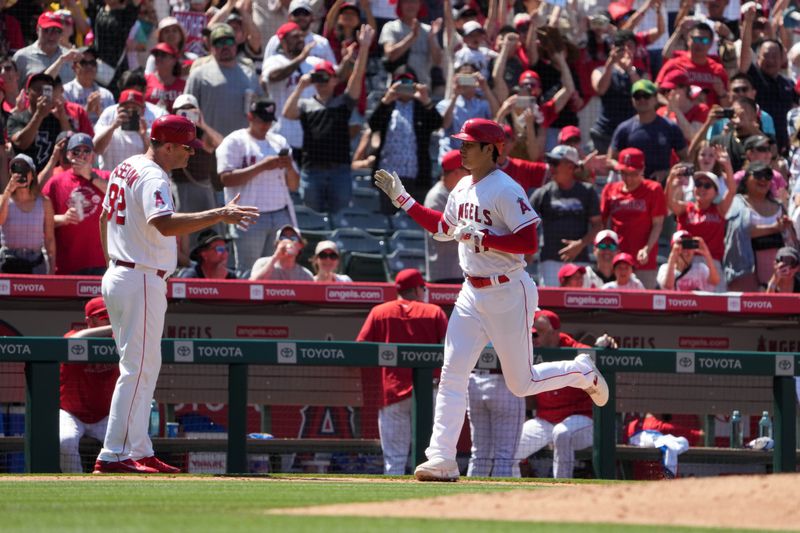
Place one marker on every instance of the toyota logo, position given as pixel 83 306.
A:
pixel 685 362
pixel 184 351
pixel 487 357
pixel 77 349
pixel 387 355
pixel 784 364
pixel 286 353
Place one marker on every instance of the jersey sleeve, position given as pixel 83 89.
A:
pixel 659 207
pixel 156 198
pixel 229 154
pixel 515 208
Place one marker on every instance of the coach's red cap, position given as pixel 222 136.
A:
pixel 286 29
pixel 175 129
pixel 630 160
pixel 130 95
pixel 48 19
pixel 481 130
pixel 551 317
pixel 568 133
pixel 325 66
pixel 451 160
pixel 624 258
pixel 570 269
pixel 96 308
pixel 409 278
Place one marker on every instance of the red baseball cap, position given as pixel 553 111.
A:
pixel 409 278
pixel 325 66
pixel 568 270
pixel 551 317
pixel 285 29
pixel 48 19
pixel 625 258
pixel 630 160
pixel 451 160
pixel 175 129
pixel 164 47
pixel 617 10
pixel 673 79
pixel 131 95
pixel 567 133
pixel 526 75
pixel 96 308
pixel 481 130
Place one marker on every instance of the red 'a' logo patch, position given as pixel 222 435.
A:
pixel 159 200
pixel 523 206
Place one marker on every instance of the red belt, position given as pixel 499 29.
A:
pixel 127 264
pixel 480 283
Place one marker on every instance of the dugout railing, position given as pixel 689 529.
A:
pixel 42 355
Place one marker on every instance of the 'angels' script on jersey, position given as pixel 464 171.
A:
pixel 468 211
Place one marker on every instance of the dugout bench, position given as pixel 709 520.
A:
pixel 42 355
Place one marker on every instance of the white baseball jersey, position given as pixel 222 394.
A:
pixel 139 191
pixel 267 191
pixel 498 204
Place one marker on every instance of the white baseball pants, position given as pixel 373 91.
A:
pixel 670 445
pixel 501 314
pixel 573 433
pixel 70 431
pixel 495 423
pixel 394 426
pixel 136 302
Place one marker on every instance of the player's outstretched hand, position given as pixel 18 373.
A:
pixel 390 184
pixel 469 234
pixel 241 215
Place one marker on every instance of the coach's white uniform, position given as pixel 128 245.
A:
pixel 501 312
pixel 136 298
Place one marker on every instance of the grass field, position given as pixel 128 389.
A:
pixel 122 504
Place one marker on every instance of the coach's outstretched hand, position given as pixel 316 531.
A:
pixel 390 184
pixel 241 215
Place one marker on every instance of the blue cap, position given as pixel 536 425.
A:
pixel 80 139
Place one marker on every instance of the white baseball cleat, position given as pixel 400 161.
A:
pixel 598 390
pixel 437 470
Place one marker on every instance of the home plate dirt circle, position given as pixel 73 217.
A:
pixel 754 502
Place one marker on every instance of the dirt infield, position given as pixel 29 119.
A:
pixel 752 502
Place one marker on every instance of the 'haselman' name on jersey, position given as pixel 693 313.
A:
pixel 498 204
pixel 139 191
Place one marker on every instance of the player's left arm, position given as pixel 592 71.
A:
pixel 104 233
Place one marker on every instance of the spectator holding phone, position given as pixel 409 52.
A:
pixel 26 223
pixel 785 278
pixel 123 130
pixel 681 272
pixel 256 164
pixel 704 215
pixel 33 131
pixel 744 118
pixel 405 119
pixel 471 98
pixel 742 85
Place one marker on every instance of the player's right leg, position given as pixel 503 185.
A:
pixel 70 431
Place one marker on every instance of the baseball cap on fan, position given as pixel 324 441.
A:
pixel 300 4
pixel 630 160
pixel 175 129
pixel 263 109
pixel 451 160
pixel 96 308
pixel 563 151
pixel 569 133
pixel 569 270
pixel 606 234
pixel 472 26
pixel 48 19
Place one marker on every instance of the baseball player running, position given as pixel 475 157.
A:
pixel 490 217
pixel 138 227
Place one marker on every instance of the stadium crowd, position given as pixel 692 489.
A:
pixel 658 139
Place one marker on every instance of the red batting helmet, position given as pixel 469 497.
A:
pixel 481 130
pixel 175 129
